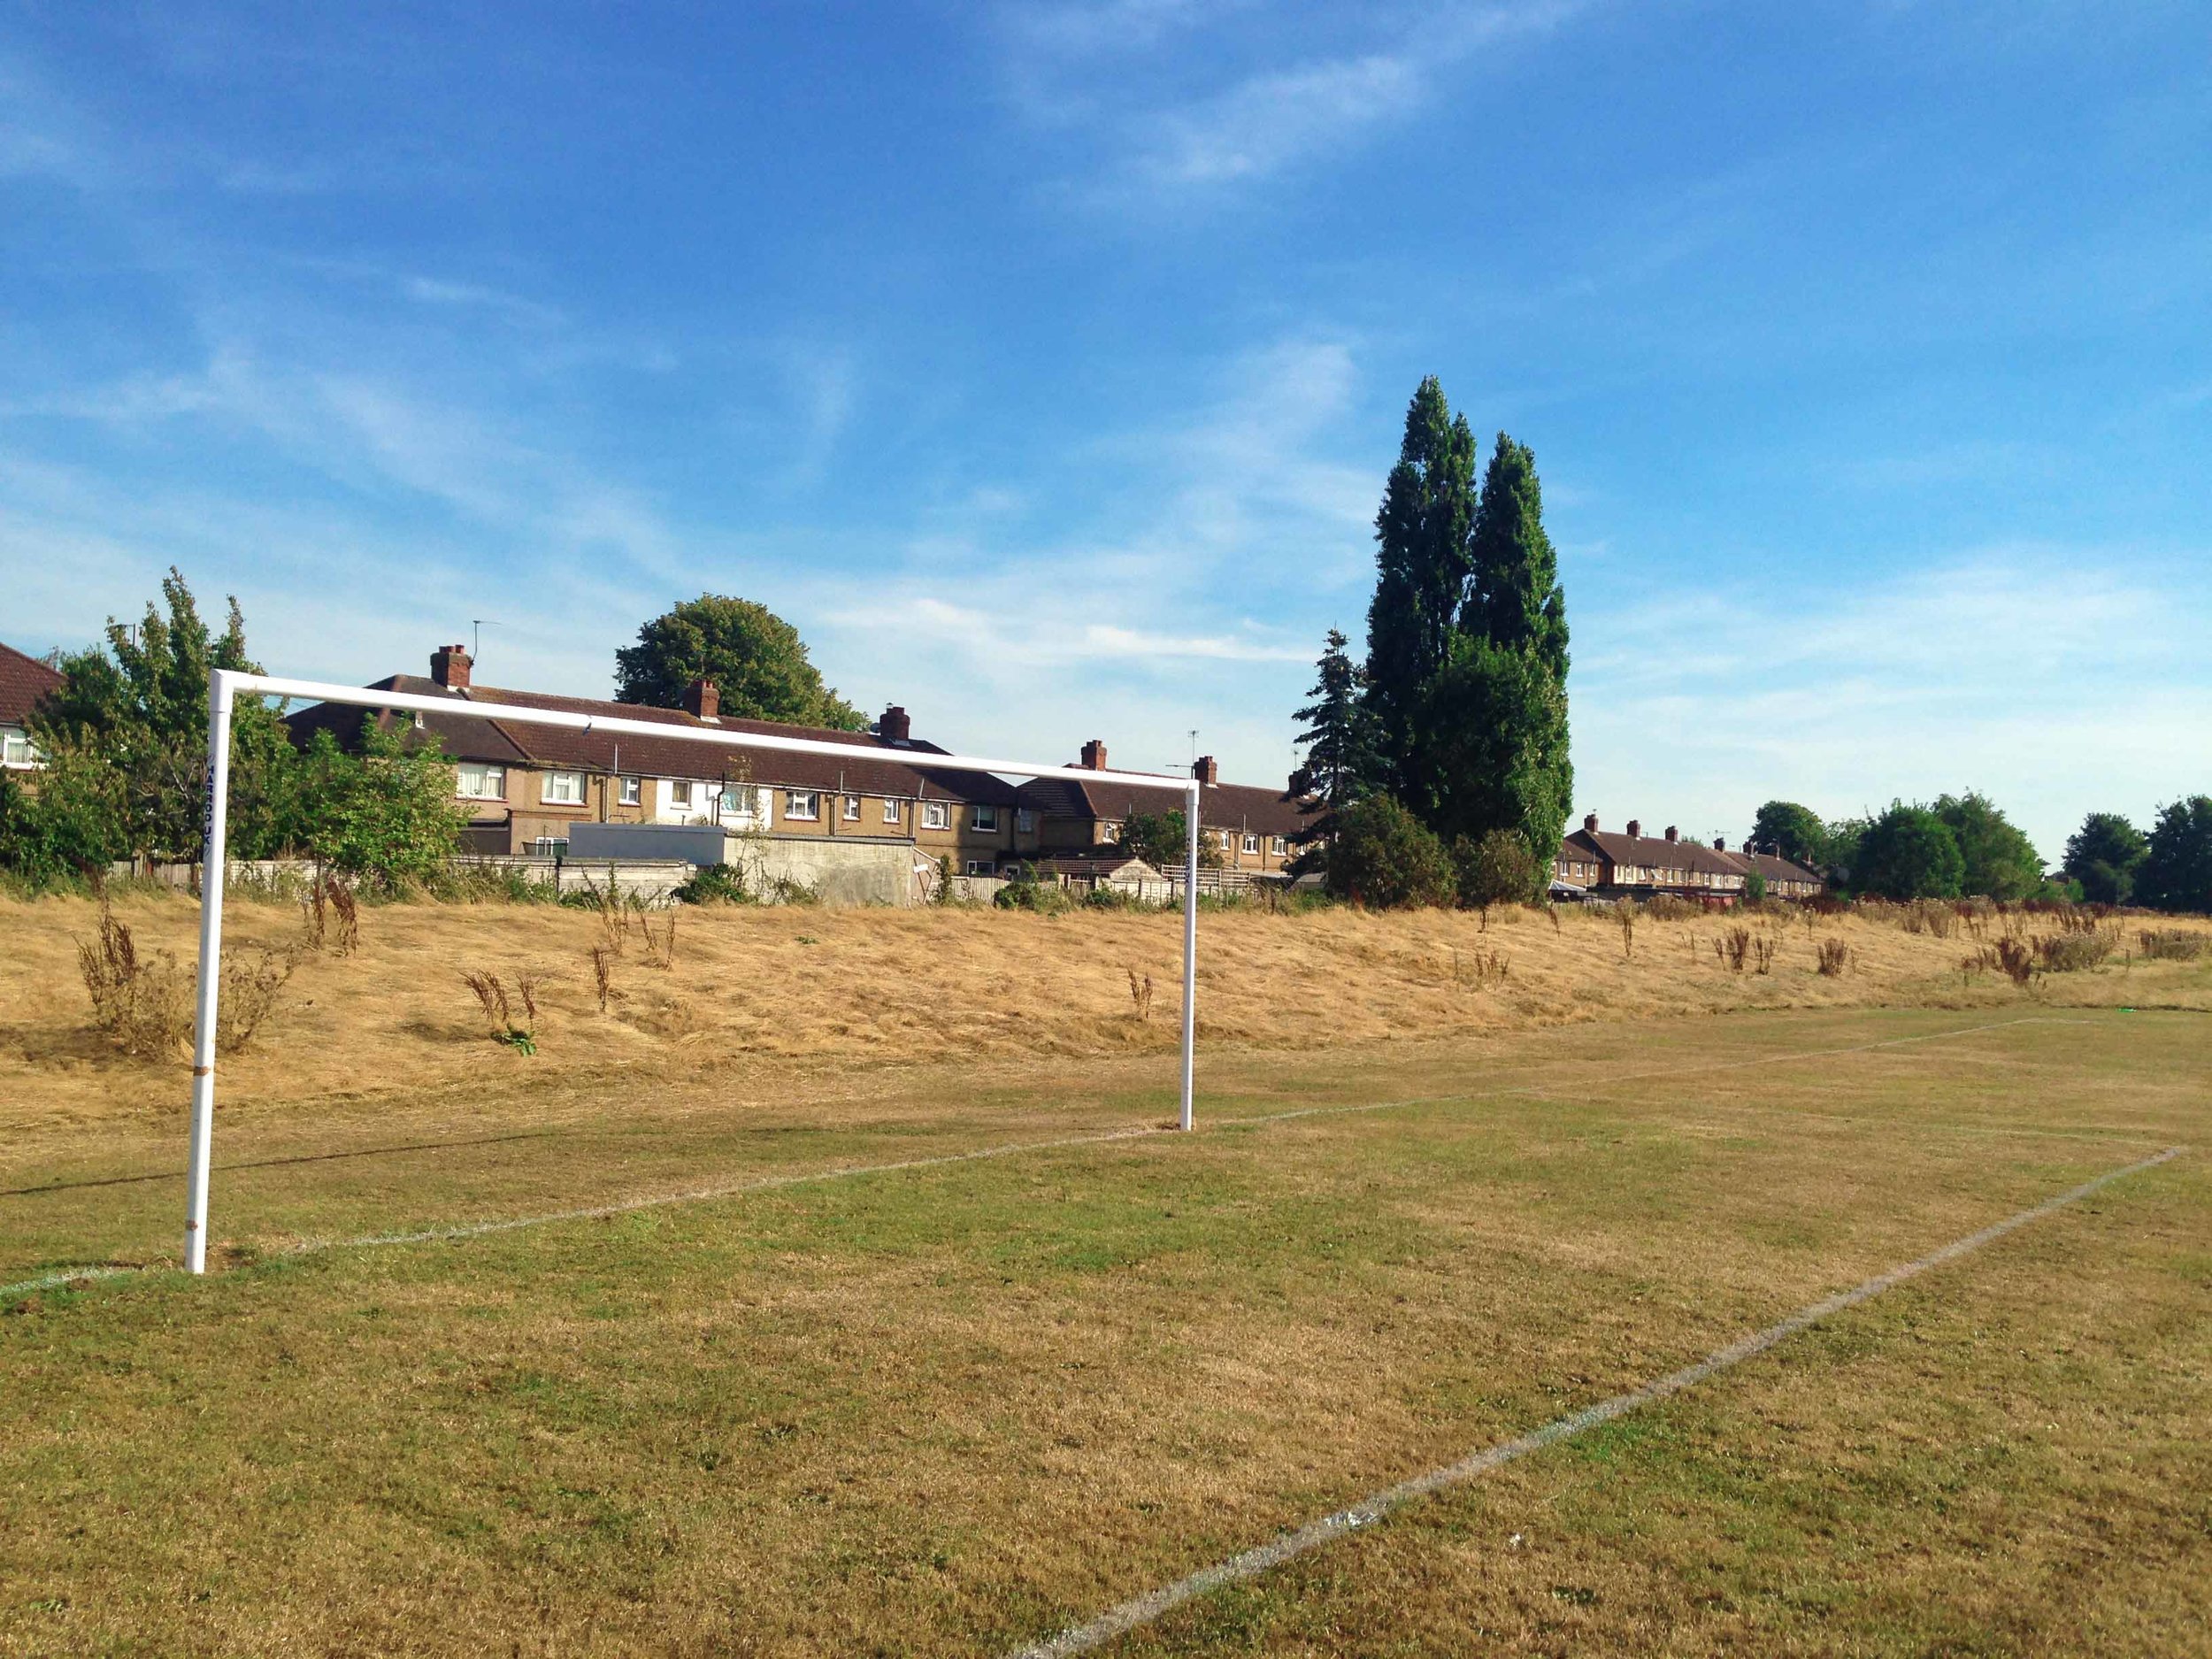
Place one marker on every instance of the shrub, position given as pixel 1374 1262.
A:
pixel 1835 957
pixel 1385 858
pixel 1024 892
pixel 143 1007
pixel 1498 869
pixel 2174 946
pixel 2069 953
pixel 715 884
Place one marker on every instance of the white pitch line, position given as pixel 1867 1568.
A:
pixel 470 1230
pixel 1144 1610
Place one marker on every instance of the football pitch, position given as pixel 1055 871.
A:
pixel 1856 1332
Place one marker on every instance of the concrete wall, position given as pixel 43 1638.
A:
pixel 844 870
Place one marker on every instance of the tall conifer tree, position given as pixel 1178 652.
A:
pixel 1423 558
pixel 1340 749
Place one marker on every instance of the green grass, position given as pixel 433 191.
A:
pixel 951 1409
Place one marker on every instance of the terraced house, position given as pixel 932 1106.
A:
pixel 23 681
pixel 526 785
pixel 1606 865
pixel 1250 827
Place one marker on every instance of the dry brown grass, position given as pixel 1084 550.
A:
pixel 894 986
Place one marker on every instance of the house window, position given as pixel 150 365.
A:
pixel 852 809
pixel 473 782
pixel 1227 841
pixel 894 810
pixel 564 789
pixel 631 791
pixel 16 750
pixel 1024 820
pixel 1251 843
pixel 1109 834
pixel 936 815
pixel 801 803
pixel 679 795
pixel 987 817
pixel 1276 845
pixel 742 801
pixel 979 866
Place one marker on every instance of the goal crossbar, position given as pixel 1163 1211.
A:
pixel 226 686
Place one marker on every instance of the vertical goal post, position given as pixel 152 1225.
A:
pixel 226 686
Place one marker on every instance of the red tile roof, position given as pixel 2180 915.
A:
pixel 1238 806
pixel 23 681
pixel 877 767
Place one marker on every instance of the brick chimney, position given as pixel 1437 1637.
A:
pixel 449 667
pixel 1635 829
pixel 894 728
pixel 1591 823
pixel 1206 771
pixel 1671 834
pixel 1095 755
pixel 702 700
pixel 1720 843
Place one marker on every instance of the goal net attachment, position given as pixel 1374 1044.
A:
pixel 226 686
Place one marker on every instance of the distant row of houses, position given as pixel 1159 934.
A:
pixel 526 787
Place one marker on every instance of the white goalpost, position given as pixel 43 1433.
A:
pixel 226 685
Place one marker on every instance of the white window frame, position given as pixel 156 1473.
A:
pixel 1109 834
pixel 546 792
pixel 630 792
pixel 17 749
pixel 852 809
pixel 1278 845
pixel 810 813
pixel 936 815
pixel 981 867
pixel 894 810
pixel 1251 843
pixel 986 815
pixel 743 801
pixel 489 771
pixel 689 801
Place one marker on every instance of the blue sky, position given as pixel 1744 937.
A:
pixel 1043 363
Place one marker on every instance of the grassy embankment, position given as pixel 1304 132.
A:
pixel 775 991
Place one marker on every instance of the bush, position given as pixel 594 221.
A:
pixel 2174 946
pixel 1023 892
pixel 1385 858
pixel 715 884
pixel 2069 953
pixel 1498 869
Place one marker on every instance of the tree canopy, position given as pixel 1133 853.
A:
pixel 1384 858
pixel 2177 869
pixel 1795 833
pixel 1997 860
pixel 2104 855
pixel 1908 853
pixel 1338 738
pixel 755 658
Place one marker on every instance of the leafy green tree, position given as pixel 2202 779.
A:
pixel 1385 858
pixel 1496 869
pixel 755 658
pixel 2103 857
pixel 1497 744
pixel 1908 853
pixel 387 816
pixel 1424 557
pixel 2177 869
pixel 1998 862
pixel 1795 833
pixel 140 706
pixel 1158 838
pixel 68 825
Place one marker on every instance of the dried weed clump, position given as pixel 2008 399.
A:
pixel 2171 945
pixel 145 1006
pixel 1835 958
pixel 499 1016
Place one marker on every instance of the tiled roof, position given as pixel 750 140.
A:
pixel 1778 869
pixel 1652 852
pixel 1238 806
pixel 23 681
pixel 877 767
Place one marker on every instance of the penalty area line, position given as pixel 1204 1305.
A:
pixel 1147 1608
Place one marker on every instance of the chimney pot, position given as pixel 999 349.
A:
pixel 1095 755
pixel 1671 834
pixel 702 700
pixel 1206 771
pixel 1635 829
pixel 449 667
pixel 894 726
